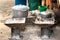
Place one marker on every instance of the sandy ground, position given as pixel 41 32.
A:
pixel 31 32
pixel 5 32
pixel 34 33
pixel 5 10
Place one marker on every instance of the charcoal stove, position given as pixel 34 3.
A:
pixel 17 21
pixel 46 25
pixel 16 26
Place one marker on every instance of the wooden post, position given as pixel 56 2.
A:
pixel 58 3
pixel 48 3
pixel 27 2
pixel 43 2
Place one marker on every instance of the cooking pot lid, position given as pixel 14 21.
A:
pixel 20 7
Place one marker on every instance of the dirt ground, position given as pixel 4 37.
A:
pixel 31 32
pixel 5 10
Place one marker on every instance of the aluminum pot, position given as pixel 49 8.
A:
pixel 46 14
pixel 20 11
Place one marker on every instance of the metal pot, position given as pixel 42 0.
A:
pixel 46 15
pixel 20 11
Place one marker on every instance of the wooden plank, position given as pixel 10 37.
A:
pixel 15 21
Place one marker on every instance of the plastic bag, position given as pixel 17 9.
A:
pixel 33 4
